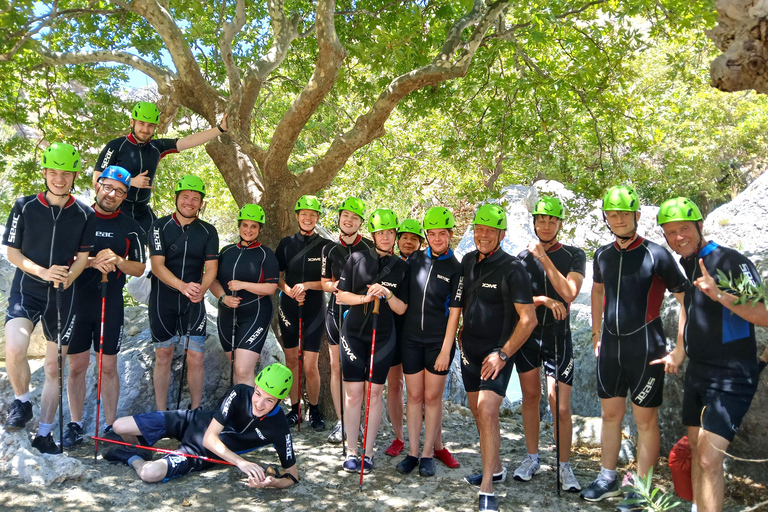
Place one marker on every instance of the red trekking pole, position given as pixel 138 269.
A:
pixel 103 287
pixel 301 342
pixel 370 377
pixel 162 450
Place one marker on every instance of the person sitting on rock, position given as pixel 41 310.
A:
pixel 248 418
pixel 630 278
pixel 719 339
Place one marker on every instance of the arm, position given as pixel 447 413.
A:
pixel 80 264
pixel 210 271
pixel 597 297
pixel 329 285
pixel 56 274
pixel 378 290
pixel 166 276
pixel 493 364
pixel 254 288
pixel 212 442
pixel 277 483
pixel 567 287
pixel 196 139
pixel 443 359
pixel 107 258
pixel 757 314
pixel 674 359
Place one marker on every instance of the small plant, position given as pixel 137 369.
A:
pixel 744 288
pixel 650 499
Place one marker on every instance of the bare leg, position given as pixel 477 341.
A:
pixel 292 362
pixel 395 400
pixel 374 417
pixel 414 410
pixel 488 405
pixel 333 351
pixel 195 377
pixel 17 334
pixel 49 400
pixel 245 366
pixel 312 373
pixel 709 486
pixel 353 400
pixel 162 376
pixel 110 387
pixel 566 422
pixel 530 385
pixel 610 435
pixel 78 367
pixel 433 400
pixel 647 420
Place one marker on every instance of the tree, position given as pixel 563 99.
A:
pixel 286 71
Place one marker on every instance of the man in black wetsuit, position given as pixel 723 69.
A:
pixel 630 279
pixel 184 251
pixel 498 317
pixel 44 233
pixel 719 340
pixel 140 154
pixel 248 418
pixel 118 252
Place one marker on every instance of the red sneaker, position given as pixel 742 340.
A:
pixel 395 448
pixel 446 458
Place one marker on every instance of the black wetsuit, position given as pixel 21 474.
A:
pixel 125 237
pixel 47 235
pixel 722 373
pixel 186 249
pixel 136 158
pixel 436 285
pixel 254 263
pixel 634 280
pixel 304 269
pixel 540 346
pixel 490 315
pixel 365 268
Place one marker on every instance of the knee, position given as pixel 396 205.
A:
pixel 487 413
pixel 195 359
pixel 311 370
pixel 415 396
pixel 647 424
pixel 51 368
pixel 532 396
pixel 163 358
pixel 433 399
pixel 710 461
pixel 354 393
pixel 291 359
pixel 152 472
pixel 15 351
pixel 611 416
pixel 123 425
pixel 77 369
pixel 109 371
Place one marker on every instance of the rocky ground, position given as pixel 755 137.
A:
pixel 324 486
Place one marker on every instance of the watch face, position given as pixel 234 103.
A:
pixel 502 355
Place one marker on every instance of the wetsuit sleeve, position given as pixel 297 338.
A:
pixel 346 280
pixel 519 283
pixel 578 262
pixel 283 443
pixel 134 238
pixel 404 289
pixel 212 245
pixel 231 404
pixel 667 270
pixel 108 156
pixel 325 267
pixel 457 288
pixel 270 269
pixel 157 243
pixel 14 228
pixel 166 146
pixel 88 236
pixel 280 255
pixel 736 265
pixel 597 275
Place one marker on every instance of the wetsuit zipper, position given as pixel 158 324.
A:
pixel 618 289
pixel 53 235
pixel 424 293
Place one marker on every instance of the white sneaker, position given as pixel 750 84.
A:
pixel 568 480
pixel 527 469
pixel 335 435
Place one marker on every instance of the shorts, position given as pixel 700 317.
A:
pixel 470 375
pixel 312 324
pixel 158 425
pixel 356 356
pixel 87 330
pixel 36 301
pixel 624 365
pixel 172 315
pixel 724 400
pixel 540 348
pixel 251 329
pixel 418 356
pixel 332 325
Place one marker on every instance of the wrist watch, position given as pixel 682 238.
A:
pixel 503 355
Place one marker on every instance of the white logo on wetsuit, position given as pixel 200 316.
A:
pixel 104 234
pixel 255 335
pixel 443 278
pixel 464 359
pixel 288 446
pixel 261 436
pixel 68 333
pixel 313 259
pixel 490 285
pixel 389 285
pixel 647 389
pixel 351 355
pixel 12 233
pixel 460 290
pixel 282 317
pixel 202 324
pixel 156 236
pixel 228 402
pixel 568 369
pixel 745 270
pixel 107 158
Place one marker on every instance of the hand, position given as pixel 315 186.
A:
pixel 236 286
pixel 297 292
pixel 105 261
pixel 706 284
pixel 192 291
pixel 536 249
pixel 223 123
pixel 671 361
pixel 557 307
pixel 378 290
pixel 253 470
pixel 443 360
pixel 142 180
pixel 103 267
pixel 597 348
pixel 55 274
pixel 492 365
pixel 260 484
pixel 231 301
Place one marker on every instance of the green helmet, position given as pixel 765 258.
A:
pixel 410 226
pixel 145 111
pixel 438 217
pixel 678 208
pixel 354 205
pixel 549 206
pixel 621 198
pixel 491 215
pixel 252 212
pixel 276 379
pixel 382 219
pixel 61 156
pixel 190 182
pixel 307 203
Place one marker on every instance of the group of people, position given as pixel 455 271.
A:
pixel 396 312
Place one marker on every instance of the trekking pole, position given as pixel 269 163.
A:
pixel 557 413
pixel 162 450
pixel 59 292
pixel 184 362
pixel 370 377
pixel 341 388
pixel 301 341
pixel 103 287
pixel 234 327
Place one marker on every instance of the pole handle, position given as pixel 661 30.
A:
pixel 376 305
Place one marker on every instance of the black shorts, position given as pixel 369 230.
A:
pixel 157 425
pixel 252 326
pixel 470 374
pixel 356 356
pixel 312 322
pixel 624 365
pixel 540 348
pixel 332 325
pixel 725 400
pixel 172 314
pixel 418 356
pixel 36 301
pixel 87 334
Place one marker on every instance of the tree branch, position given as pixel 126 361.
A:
pixel 231 29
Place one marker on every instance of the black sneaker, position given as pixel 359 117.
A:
pixel 19 416
pixel 427 466
pixel 293 418
pixel 601 489
pixel 123 453
pixel 45 444
pixel 635 506
pixel 351 464
pixel 407 465
pixel 73 435
pixel 316 419
pixel 367 464
pixel 488 502
pixel 478 478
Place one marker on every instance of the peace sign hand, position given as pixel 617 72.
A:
pixel 706 284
